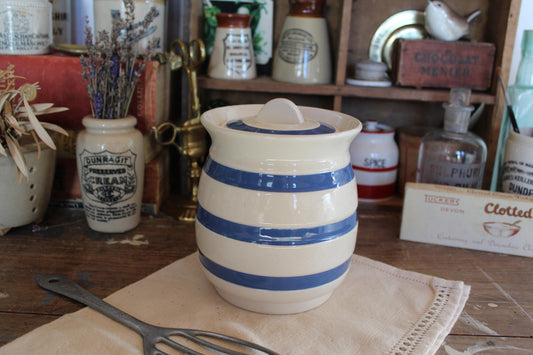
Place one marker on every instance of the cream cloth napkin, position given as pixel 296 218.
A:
pixel 378 309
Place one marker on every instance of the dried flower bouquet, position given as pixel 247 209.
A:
pixel 18 119
pixel 114 62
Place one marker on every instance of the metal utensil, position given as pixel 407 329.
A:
pixel 152 335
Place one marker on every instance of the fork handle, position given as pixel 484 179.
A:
pixel 68 288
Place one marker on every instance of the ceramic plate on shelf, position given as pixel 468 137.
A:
pixel 406 24
pixel 70 48
pixel 375 83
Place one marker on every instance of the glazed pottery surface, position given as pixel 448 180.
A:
pixel 518 165
pixel 26 27
pixel 375 157
pixel 277 212
pixel 233 49
pixel 303 53
pixel 104 10
pixel 110 160
pixel 26 202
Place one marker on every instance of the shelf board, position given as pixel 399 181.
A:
pixel 410 94
pixel 265 84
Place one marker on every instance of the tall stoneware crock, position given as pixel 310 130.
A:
pixel 110 160
pixel 277 205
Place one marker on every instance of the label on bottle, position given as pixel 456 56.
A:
pixel 108 178
pixel 517 177
pixel 261 26
pixel 61 20
pixel 297 46
pixel 238 52
pixel 453 174
pixel 25 27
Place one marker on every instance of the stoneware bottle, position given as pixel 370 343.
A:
pixel 110 160
pixel 277 214
pixel 303 54
pixel 104 10
pixel 233 50
pixel 26 27
pixel 375 155
pixel 517 168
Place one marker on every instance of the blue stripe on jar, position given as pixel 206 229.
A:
pixel 278 183
pixel 273 283
pixel 322 128
pixel 273 236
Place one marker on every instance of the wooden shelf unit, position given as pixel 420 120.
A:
pixel 352 24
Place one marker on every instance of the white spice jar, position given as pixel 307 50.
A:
pixel 25 27
pixel 374 155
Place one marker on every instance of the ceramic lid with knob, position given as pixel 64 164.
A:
pixel 280 136
pixel 280 116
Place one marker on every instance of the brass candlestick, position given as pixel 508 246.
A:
pixel 190 138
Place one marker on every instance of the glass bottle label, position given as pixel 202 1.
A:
pixel 460 175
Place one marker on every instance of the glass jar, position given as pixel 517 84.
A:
pixel 453 156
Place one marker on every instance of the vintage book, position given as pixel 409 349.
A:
pixel 442 64
pixel 468 218
pixel 66 189
pixel 59 77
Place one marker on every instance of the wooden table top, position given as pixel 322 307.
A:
pixel 498 316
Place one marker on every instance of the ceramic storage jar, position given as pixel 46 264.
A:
pixel 277 208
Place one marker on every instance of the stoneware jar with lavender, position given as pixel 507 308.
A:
pixel 109 151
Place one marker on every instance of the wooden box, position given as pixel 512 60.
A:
pixel 440 64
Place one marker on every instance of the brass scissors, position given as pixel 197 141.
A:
pixel 192 57
pixel 189 140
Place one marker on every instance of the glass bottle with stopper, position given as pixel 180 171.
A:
pixel 453 156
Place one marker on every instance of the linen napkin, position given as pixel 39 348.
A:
pixel 378 309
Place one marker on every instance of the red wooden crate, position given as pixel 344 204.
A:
pixel 440 64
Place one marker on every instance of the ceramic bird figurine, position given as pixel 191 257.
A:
pixel 445 24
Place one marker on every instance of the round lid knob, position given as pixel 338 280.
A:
pixel 280 116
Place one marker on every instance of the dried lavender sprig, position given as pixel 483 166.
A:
pixel 112 65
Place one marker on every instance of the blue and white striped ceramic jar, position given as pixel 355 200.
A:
pixel 277 205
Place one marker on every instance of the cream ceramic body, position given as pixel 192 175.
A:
pixel 26 202
pixel 26 27
pixel 110 160
pixel 375 156
pixel 274 234
pixel 104 10
pixel 518 165
pixel 233 54
pixel 303 54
